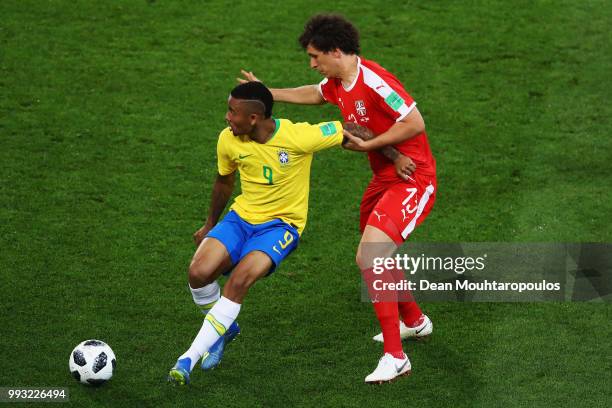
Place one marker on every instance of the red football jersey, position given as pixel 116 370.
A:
pixel 376 99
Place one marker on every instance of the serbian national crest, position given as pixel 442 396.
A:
pixel 283 157
pixel 360 108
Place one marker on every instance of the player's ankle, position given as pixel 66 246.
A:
pixel 415 323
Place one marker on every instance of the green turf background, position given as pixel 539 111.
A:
pixel 109 113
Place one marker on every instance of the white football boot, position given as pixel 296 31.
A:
pixel 389 368
pixel 422 330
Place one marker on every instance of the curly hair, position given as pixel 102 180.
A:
pixel 327 32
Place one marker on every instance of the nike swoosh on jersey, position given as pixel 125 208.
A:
pixel 240 156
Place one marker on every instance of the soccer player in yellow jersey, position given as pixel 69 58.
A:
pixel 264 223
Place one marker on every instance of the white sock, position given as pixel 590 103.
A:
pixel 206 296
pixel 216 322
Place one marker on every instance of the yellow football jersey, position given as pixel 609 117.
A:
pixel 275 176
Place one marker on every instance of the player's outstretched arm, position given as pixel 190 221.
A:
pixel 221 193
pixel 405 129
pixel 355 136
pixel 302 95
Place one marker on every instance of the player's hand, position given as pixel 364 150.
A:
pixel 248 77
pixel 199 235
pixel 352 142
pixel 404 166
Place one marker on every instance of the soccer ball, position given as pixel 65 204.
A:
pixel 92 362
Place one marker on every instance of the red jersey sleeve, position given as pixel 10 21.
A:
pixel 327 89
pixel 389 94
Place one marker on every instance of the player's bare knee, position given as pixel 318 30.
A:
pixel 200 274
pixel 361 260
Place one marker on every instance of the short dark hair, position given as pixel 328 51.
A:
pixel 327 32
pixel 255 91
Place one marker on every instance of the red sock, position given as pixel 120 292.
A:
pixel 408 308
pixel 411 313
pixel 388 317
pixel 387 311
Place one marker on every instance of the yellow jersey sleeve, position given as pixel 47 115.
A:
pixel 312 138
pixel 225 164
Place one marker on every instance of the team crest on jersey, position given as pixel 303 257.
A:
pixel 283 157
pixel 360 108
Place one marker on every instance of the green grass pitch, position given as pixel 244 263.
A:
pixel 109 113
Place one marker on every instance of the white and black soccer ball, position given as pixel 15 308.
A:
pixel 92 362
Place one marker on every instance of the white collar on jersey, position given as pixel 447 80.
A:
pixel 356 76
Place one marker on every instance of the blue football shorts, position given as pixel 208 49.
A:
pixel 275 238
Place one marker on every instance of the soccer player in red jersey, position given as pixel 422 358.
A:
pixel 392 206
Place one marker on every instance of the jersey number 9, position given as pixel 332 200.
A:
pixel 267 173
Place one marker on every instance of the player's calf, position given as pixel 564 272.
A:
pixel 210 260
pixel 251 268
